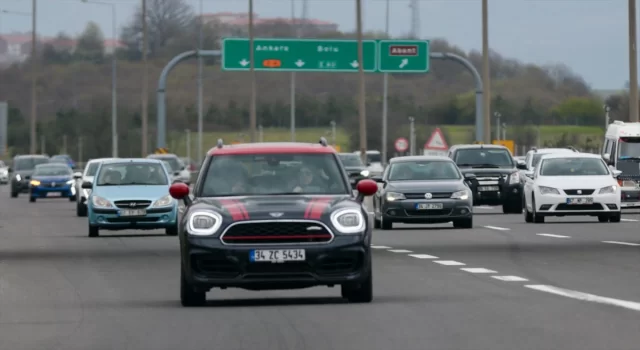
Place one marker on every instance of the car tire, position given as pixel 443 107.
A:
pixel 94 231
pixel 538 219
pixel 615 218
pixel 463 223
pixel 361 293
pixel 14 194
pixel 171 231
pixel 72 199
pixel 603 218
pixel 528 217
pixel 81 210
pixel 385 224
pixel 32 199
pixel 188 296
pixel 376 222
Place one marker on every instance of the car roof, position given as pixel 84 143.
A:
pixel 552 150
pixel 272 148
pixel 479 146
pixel 100 160
pixel 406 159
pixel 348 154
pixel 55 165
pixel 165 155
pixel 575 155
pixel 132 160
pixel 30 156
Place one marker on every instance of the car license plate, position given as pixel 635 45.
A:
pixel 488 188
pixel 429 206
pixel 132 212
pixel 53 194
pixel 580 200
pixel 277 255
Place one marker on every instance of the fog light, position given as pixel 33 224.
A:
pixel 101 218
pixel 515 190
pixel 164 218
pixel 463 211
pixel 392 212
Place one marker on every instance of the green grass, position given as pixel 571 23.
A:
pixel 456 134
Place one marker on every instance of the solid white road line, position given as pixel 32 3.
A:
pixel 552 235
pixel 631 305
pixel 449 262
pixel 477 270
pixel 483 207
pixel 400 251
pixel 510 278
pixel 380 247
pixel 423 256
pixel 622 243
pixel 630 220
pixel 497 228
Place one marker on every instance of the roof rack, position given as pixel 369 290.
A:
pixel 220 143
pixel 323 141
pixel 573 149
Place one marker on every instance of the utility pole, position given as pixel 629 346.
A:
pixel 260 133
pixel 504 131
pixel 633 64
pixel 200 83
pixel 114 86
pixel 80 145
pixel 34 78
pixel 296 30
pixel 606 116
pixel 361 89
pixel 333 133
pixel 188 132
pixel 64 144
pixel 486 78
pixel 497 115
pixel 412 136
pixel 42 145
pixel 385 96
pixel 252 103
pixel 145 80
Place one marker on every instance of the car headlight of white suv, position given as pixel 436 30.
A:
pixel 608 190
pixel 548 190
pixel 348 220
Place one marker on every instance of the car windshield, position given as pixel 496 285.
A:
pixel 629 147
pixel 374 157
pixel 92 169
pixel 58 160
pixel 52 171
pixel 424 171
pixel 351 160
pixel 28 163
pixel 536 157
pixel 131 173
pixel 168 165
pixel 274 174
pixel 173 161
pixel 573 167
pixel 484 157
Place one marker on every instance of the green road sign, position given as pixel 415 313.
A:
pixel 303 55
pixel 403 56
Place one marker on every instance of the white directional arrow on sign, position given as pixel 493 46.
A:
pixel 354 64
pixel 404 62
pixel 244 62
pixel 299 63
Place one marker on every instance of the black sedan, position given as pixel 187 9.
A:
pixel 266 216
pixel 423 189
pixel 355 168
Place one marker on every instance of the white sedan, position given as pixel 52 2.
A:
pixel 577 184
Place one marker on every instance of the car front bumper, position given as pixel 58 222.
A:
pixel 208 263
pixel 4 178
pixel 156 218
pixel 21 186
pixel 630 197
pixel 556 205
pixel 507 193
pixel 405 210
pixel 61 191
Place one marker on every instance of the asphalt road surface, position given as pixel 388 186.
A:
pixel 568 284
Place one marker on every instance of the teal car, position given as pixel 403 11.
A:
pixel 131 194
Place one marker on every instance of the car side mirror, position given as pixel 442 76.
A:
pixel 180 191
pixel 366 188
pixel 616 173
pixel 9 169
pixel 470 176
pixel 87 185
pixel 521 165
pixel 529 174
pixel 77 175
pixel 607 158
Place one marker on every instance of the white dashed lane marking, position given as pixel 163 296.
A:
pixel 631 305
pixel 449 262
pixel 510 278
pixel 622 243
pixel 400 251
pixel 630 220
pixel 477 270
pixel 380 247
pixel 423 256
pixel 497 228
pixel 552 235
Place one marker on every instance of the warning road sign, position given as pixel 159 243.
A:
pixel 402 144
pixel 436 141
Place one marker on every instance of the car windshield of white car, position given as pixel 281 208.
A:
pixel 93 168
pixel 424 171
pixel 130 174
pixel 484 158
pixel 274 174
pixel 52 171
pixel 351 160
pixel 573 167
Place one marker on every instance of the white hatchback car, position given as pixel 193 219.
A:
pixel 573 184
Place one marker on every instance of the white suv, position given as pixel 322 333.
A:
pixel 181 172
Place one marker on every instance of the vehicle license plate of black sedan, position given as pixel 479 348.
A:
pixel 277 255
pixel 488 188
pixel 132 212
pixel 429 206
pixel 580 200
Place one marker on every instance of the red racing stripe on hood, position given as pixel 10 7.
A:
pixel 243 209
pixel 232 207
pixel 317 207
pixel 309 207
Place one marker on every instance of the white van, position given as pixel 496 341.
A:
pixel 621 151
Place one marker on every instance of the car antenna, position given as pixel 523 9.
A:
pixel 220 143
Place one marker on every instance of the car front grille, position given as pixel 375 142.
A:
pixel 434 195
pixel 132 204
pixel 582 192
pixel 277 232
pixel 594 206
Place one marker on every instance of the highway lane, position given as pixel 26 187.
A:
pixel 62 290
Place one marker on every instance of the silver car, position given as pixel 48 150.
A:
pixel 87 175
pixel 4 173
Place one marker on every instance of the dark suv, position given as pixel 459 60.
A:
pixel 21 170
pixel 492 174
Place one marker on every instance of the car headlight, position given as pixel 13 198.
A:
pixel 514 178
pixel 364 173
pixel 71 182
pixel 100 202
pixel 348 220
pixel 163 202
pixel 608 189
pixel 18 177
pixel 463 195
pixel 204 223
pixel 4 172
pixel 394 196
pixel 34 183
pixel 548 190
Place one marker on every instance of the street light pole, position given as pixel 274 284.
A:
pixel 633 64
pixel 606 116
pixel 385 96
pixel 200 83
pixel 293 76
pixel 145 80
pixel 361 90
pixel 252 103
pixel 486 78
pixel 34 78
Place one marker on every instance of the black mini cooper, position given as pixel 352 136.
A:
pixel 268 216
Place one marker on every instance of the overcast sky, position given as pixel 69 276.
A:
pixel 590 36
